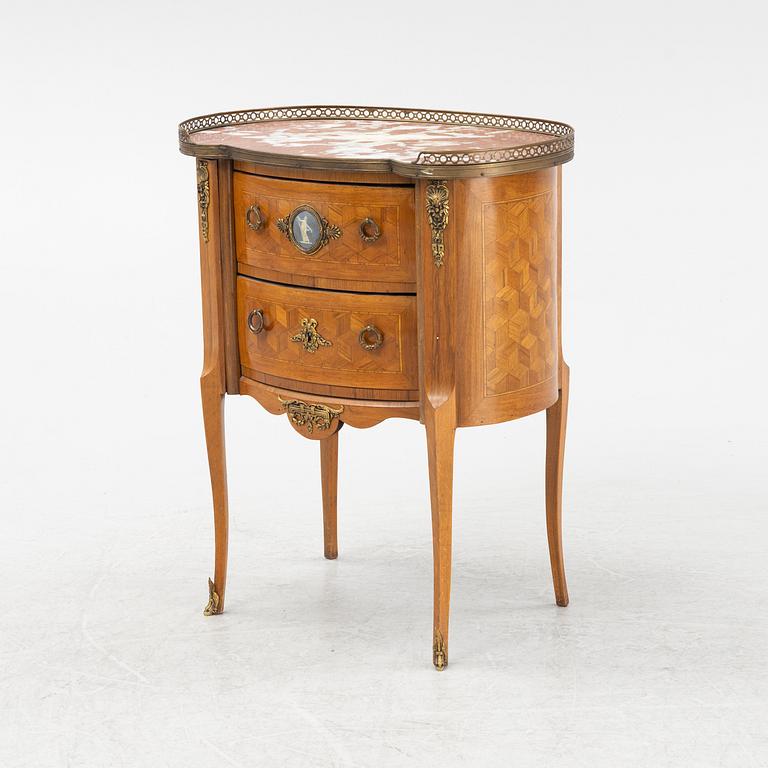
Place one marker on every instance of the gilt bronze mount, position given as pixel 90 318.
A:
pixel 437 212
pixel 310 415
pixel 307 229
pixel 308 336
pixel 203 196
pixel 439 658
pixel 214 601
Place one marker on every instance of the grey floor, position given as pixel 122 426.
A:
pixel 660 660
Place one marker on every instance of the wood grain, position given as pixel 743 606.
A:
pixel 228 274
pixel 519 301
pixel 557 417
pixel 329 468
pixel 388 259
pixel 507 296
pixel 213 382
pixel 326 283
pixel 440 335
pixel 340 319
pixel 332 390
pixel 325 175
pixel 361 414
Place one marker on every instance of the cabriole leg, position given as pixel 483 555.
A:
pixel 557 416
pixel 213 417
pixel 441 430
pixel 329 465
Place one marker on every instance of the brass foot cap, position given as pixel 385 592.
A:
pixel 439 652
pixel 214 601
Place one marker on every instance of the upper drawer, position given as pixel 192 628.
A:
pixel 324 231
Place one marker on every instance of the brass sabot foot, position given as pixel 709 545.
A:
pixel 439 656
pixel 214 601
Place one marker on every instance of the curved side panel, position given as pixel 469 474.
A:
pixel 507 244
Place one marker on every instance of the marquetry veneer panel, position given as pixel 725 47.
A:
pixel 391 258
pixel 339 319
pixel 519 293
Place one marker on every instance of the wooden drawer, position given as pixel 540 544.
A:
pixel 315 336
pixel 262 207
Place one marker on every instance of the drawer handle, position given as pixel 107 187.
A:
pixel 253 218
pixel 369 230
pixel 256 321
pixel 370 338
pixel 308 336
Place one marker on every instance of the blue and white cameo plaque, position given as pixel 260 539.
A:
pixel 307 229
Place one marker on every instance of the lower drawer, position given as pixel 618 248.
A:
pixel 328 337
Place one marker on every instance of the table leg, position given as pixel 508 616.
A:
pixel 329 467
pixel 441 431
pixel 213 417
pixel 557 416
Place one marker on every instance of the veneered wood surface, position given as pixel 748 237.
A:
pixel 213 380
pixel 357 413
pixel 329 472
pixel 442 331
pixel 440 424
pixel 519 301
pixel 332 390
pixel 391 258
pixel 508 295
pixel 326 175
pixel 228 274
pixel 557 417
pixel 340 318
pixel 327 283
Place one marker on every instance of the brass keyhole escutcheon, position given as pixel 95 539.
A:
pixel 309 337
pixel 371 338
pixel 369 230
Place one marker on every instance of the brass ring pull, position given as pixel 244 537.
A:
pixel 369 230
pixel 370 338
pixel 256 321
pixel 253 218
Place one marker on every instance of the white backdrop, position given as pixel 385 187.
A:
pixel 105 526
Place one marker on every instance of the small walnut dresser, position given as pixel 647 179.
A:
pixel 364 263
